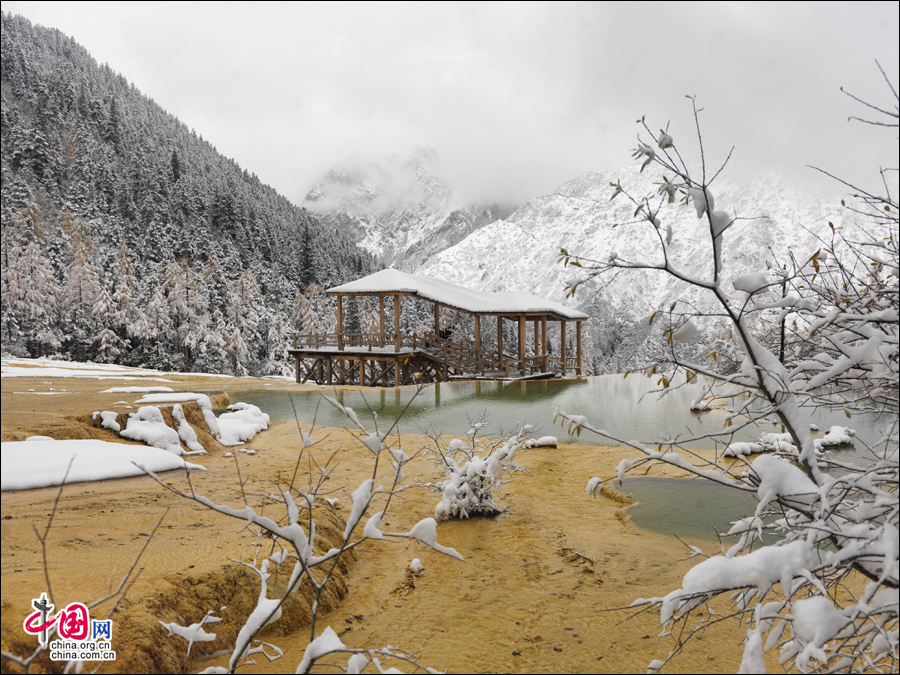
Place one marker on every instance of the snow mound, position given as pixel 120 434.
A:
pixel 241 423
pixel 742 449
pixel 542 442
pixel 149 426
pixel 837 435
pixel 108 420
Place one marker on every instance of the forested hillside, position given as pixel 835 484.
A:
pixel 128 238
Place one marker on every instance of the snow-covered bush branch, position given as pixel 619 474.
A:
pixel 474 467
pixel 836 309
pixel 294 545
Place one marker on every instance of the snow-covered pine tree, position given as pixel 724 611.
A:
pixel 156 331
pixel 236 349
pixel 299 309
pixel 327 315
pixel 368 315
pixel 11 292
pixel 305 310
pixel 245 315
pixel 278 341
pixel 126 294
pixel 82 287
pixel 108 344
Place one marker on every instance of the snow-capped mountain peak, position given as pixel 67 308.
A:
pixel 401 210
pixel 522 251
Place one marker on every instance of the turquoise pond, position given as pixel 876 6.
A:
pixel 608 402
pixel 626 408
pixel 684 507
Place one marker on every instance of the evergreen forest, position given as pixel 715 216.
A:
pixel 127 238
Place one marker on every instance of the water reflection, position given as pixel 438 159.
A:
pixel 625 407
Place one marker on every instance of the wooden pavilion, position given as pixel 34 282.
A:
pixel 388 358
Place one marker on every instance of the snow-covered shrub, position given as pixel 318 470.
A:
pixel 838 521
pixel 473 468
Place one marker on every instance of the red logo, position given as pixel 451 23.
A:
pixel 74 622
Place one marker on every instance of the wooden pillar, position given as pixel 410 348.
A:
pixel 544 344
pixel 478 365
pixel 537 344
pixel 397 341
pixel 297 368
pixel 381 317
pixel 522 344
pixel 578 347
pixel 562 344
pixel 340 322
pixel 437 319
pixel 362 371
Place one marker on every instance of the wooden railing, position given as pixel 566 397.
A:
pixel 463 358
pixel 325 340
pixel 556 364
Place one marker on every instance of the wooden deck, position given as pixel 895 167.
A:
pixel 375 359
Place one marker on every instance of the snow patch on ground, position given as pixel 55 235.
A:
pixel 56 369
pixel 37 463
pixel 136 390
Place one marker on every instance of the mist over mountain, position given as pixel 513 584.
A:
pixel 401 210
pixel 522 253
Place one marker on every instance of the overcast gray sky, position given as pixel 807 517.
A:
pixel 516 98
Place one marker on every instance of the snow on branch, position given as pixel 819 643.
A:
pixel 834 345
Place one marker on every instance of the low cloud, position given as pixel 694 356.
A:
pixel 516 98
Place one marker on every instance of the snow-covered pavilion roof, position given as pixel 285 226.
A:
pixel 454 295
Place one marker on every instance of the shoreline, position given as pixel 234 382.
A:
pixel 524 554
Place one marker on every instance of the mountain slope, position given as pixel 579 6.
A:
pixel 89 161
pixel 401 210
pixel 521 252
